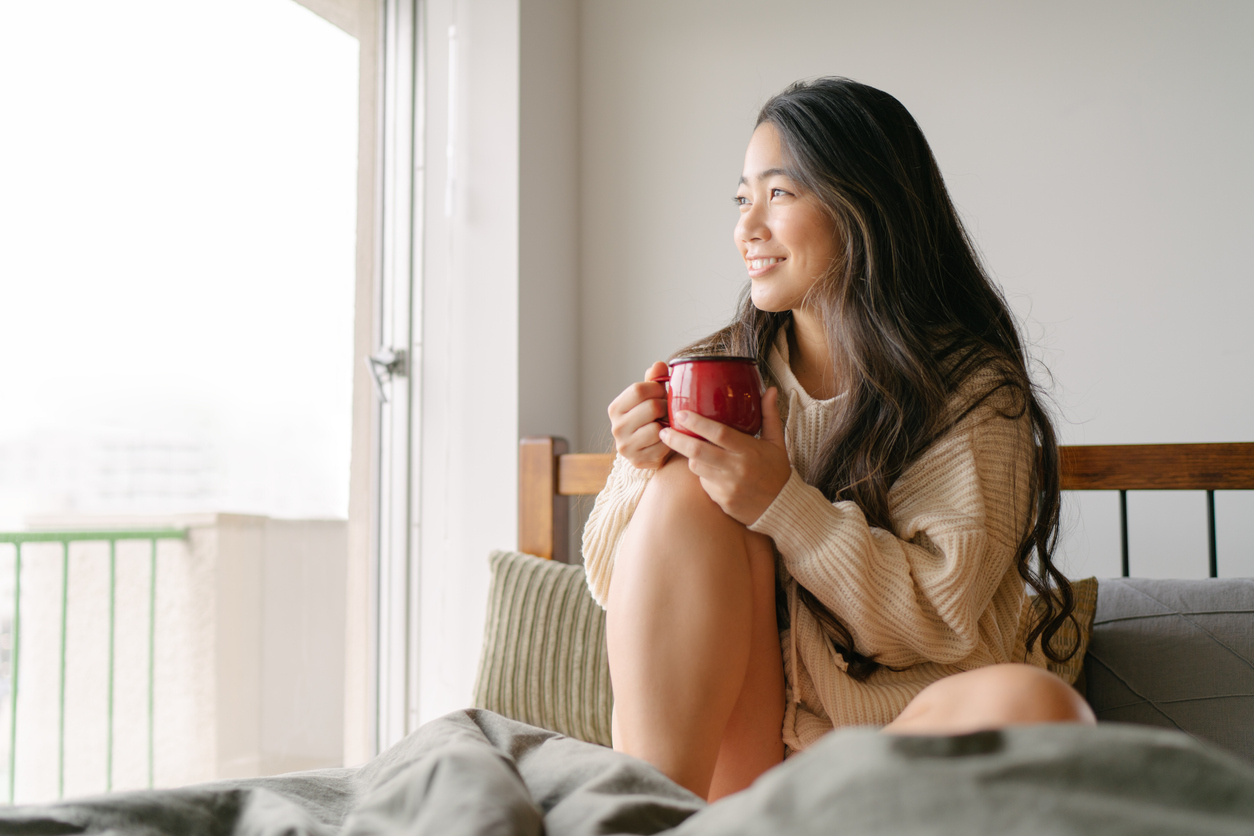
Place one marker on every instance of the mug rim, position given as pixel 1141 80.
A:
pixel 706 358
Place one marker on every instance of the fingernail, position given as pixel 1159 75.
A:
pixel 681 417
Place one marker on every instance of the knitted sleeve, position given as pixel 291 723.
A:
pixel 614 506
pixel 916 594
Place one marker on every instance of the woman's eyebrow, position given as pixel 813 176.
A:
pixel 770 172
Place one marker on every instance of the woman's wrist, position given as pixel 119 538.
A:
pixel 781 519
pixel 772 486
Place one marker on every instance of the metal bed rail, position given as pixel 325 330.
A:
pixel 1159 467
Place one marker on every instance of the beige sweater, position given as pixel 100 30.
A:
pixel 937 595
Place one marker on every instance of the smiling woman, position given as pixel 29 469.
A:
pixel 894 505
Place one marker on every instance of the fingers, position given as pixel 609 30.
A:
pixel 709 429
pixel 706 461
pixel 637 393
pixel 645 436
pixel 703 457
pixel 632 415
pixel 684 445
pixel 633 396
pixel 658 369
pixel 645 449
pixel 641 444
pixel 642 415
pixel 772 426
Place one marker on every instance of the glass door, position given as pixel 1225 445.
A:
pixel 181 348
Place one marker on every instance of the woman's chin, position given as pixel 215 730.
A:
pixel 766 304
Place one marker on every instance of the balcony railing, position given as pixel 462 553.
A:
pixel 172 650
pixel 65 538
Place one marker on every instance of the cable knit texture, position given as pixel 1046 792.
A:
pixel 937 595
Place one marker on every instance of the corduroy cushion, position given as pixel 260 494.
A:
pixel 544 659
pixel 1178 654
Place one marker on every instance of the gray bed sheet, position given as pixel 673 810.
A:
pixel 475 772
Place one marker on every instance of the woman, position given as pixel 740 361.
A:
pixel 864 560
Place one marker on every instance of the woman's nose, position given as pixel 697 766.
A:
pixel 752 226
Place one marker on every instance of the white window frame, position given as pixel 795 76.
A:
pixel 381 646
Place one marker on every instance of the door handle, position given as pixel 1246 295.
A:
pixel 385 365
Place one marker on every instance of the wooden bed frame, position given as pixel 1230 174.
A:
pixel 548 476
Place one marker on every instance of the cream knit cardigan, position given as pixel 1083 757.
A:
pixel 937 595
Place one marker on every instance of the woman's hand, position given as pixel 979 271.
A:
pixel 632 417
pixel 742 474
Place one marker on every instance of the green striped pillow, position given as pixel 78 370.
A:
pixel 544 660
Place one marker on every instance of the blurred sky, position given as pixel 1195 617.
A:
pixel 177 233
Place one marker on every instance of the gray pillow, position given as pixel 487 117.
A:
pixel 544 660
pixel 1177 654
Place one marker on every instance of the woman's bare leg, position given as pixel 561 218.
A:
pixel 753 741
pixel 694 652
pixel 990 698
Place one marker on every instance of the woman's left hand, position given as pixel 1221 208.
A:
pixel 742 474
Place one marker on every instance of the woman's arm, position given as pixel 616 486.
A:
pixel 918 594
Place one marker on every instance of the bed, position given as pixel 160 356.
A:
pixel 1177 654
pixel 1168 665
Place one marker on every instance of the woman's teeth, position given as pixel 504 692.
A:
pixel 759 263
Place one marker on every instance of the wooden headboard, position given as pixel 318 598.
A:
pixel 548 475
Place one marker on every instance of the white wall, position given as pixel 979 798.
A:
pixel 1098 155
pixel 1098 152
pixel 499 350
pixel 469 346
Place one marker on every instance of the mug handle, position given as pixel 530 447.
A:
pixel 664 380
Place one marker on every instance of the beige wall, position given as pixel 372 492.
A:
pixel 1098 152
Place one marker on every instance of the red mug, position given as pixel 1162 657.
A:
pixel 724 389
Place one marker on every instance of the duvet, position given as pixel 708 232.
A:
pixel 475 772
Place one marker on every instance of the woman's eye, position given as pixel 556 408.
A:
pixel 740 200
pixel 778 193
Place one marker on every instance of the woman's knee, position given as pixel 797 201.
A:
pixel 676 487
pixel 992 697
pixel 680 540
pixel 1025 694
pixel 675 508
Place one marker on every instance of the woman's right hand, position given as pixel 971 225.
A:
pixel 632 420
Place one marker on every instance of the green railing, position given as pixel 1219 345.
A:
pixel 65 538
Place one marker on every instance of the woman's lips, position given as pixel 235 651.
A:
pixel 762 266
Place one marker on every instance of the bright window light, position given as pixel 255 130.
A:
pixel 177 239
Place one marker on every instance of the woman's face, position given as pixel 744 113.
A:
pixel 786 239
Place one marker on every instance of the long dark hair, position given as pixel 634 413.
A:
pixel 911 317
